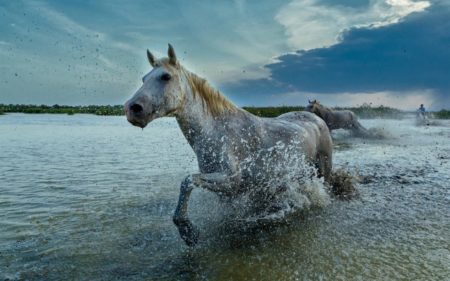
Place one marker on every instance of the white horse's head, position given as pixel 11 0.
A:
pixel 161 93
pixel 313 106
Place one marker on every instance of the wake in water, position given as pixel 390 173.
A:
pixel 427 122
pixel 379 133
pixel 375 133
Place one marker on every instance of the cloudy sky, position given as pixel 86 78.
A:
pixel 342 52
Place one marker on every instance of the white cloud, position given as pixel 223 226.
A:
pixel 310 25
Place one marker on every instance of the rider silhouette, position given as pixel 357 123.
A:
pixel 421 114
pixel 421 109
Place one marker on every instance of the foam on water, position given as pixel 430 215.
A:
pixel 373 133
pixel 380 133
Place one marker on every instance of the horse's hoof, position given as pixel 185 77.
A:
pixel 189 233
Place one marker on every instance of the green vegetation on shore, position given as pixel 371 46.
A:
pixel 442 114
pixel 63 109
pixel 368 112
pixel 364 111
pixel 272 111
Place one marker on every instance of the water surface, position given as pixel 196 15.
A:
pixel 88 197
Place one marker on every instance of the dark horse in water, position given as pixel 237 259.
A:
pixel 236 151
pixel 338 119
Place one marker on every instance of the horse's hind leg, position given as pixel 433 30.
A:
pixel 324 165
pixel 358 130
pixel 324 158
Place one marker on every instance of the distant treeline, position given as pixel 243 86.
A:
pixel 63 109
pixel 365 111
pixel 442 114
pixel 272 111
pixel 368 112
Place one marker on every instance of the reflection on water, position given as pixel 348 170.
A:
pixel 87 197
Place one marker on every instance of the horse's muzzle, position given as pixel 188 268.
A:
pixel 135 114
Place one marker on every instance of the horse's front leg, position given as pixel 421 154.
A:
pixel 215 182
pixel 187 230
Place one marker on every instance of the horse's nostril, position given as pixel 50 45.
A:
pixel 136 108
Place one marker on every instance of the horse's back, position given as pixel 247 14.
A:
pixel 306 119
pixel 316 128
pixel 349 114
pixel 340 119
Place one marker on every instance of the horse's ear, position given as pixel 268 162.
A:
pixel 151 58
pixel 172 56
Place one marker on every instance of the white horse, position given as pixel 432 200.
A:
pixel 231 144
pixel 338 119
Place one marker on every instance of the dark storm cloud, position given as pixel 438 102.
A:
pixel 411 55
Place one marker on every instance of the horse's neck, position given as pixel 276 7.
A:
pixel 194 118
pixel 325 111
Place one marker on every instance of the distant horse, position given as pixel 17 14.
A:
pixel 338 119
pixel 231 145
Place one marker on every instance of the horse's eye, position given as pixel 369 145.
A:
pixel 166 77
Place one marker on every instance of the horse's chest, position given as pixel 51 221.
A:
pixel 212 157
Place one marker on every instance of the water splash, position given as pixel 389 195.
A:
pixel 419 122
pixel 343 184
pixel 379 133
pixel 374 133
pixel 285 182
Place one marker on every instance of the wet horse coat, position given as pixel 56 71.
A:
pixel 231 144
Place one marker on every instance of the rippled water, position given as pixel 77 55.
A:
pixel 87 197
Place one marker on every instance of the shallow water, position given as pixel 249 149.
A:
pixel 88 197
